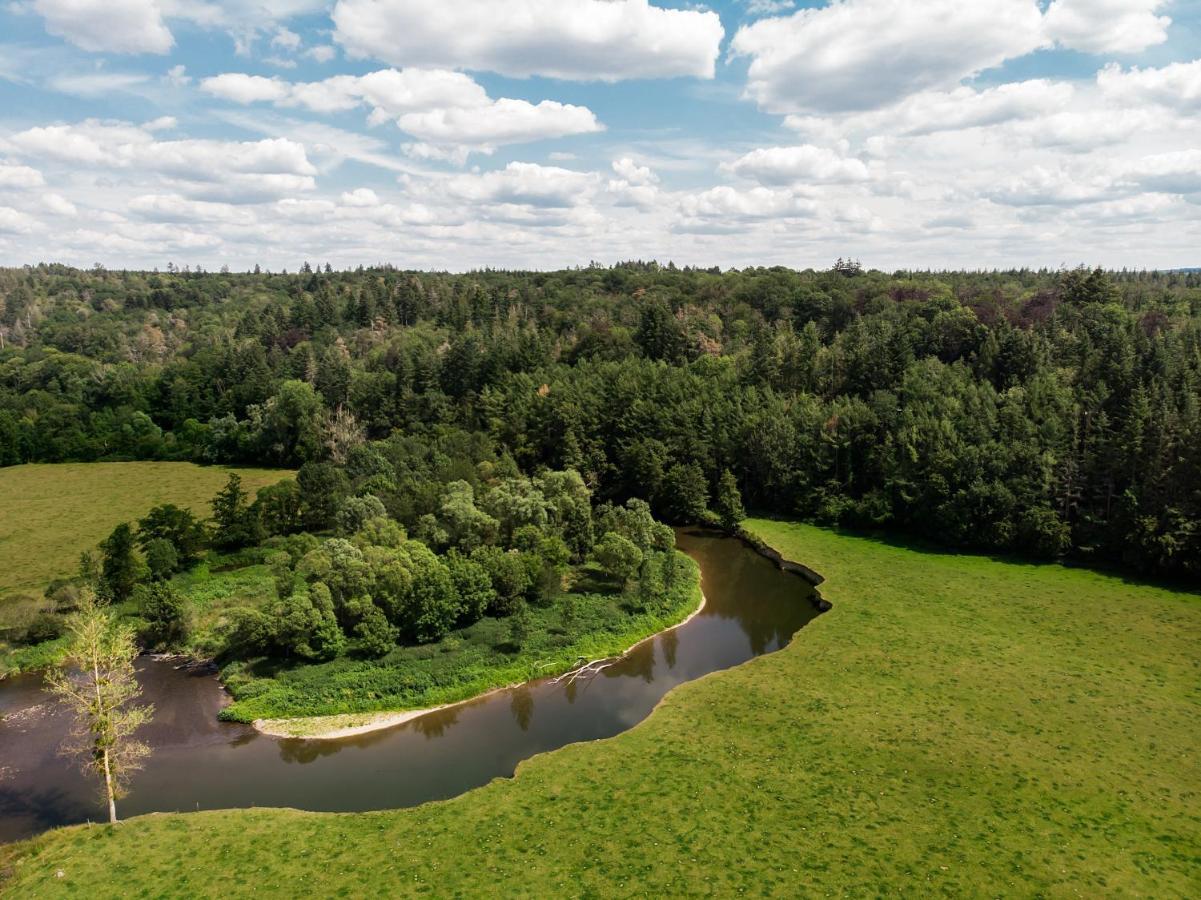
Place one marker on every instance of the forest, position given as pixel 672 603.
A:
pixel 1050 414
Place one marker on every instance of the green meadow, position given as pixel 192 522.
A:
pixel 956 725
pixel 52 513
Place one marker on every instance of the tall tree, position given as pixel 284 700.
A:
pixel 96 681
pixel 728 502
pixel 120 567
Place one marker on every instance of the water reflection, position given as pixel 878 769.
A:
pixel 201 763
pixel 521 704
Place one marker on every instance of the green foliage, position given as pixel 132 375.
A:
pixel 520 624
pixel 355 512
pixel 618 556
pixel 377 636
pixel 969 407
pixel 727 503
pixel 278 507
pixel 511 578
pixel 161 559
pixel 235 523
pixel 472 586
pixel 119 567
pixel 471 659
pixel 685 494
pixel 177 526
pixel 304 625
pixel 166 615
pixel 322 489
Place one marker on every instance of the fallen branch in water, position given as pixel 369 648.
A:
pixel 587 670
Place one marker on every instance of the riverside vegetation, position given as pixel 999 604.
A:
pixel 956 725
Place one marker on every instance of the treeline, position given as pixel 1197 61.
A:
pixel 1049 413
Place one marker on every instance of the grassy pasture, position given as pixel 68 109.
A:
pixel 955 726
pixel 52 513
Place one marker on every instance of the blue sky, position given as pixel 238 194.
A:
pixel 543 133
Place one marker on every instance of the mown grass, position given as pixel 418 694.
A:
pixel 467 662
pixel 52 513
pixel 955 726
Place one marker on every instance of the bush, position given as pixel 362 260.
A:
pixel 166 616
pixel 46 626
pixel 377 636
pixel 161 559
pixel 618 556
pixel 355 512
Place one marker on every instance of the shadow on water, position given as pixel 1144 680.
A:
pixel 752 608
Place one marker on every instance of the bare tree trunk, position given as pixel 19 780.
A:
pixel 108 790
pixel 108 772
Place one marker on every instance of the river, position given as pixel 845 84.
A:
pixel 752 608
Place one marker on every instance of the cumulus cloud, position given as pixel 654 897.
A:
pixel 22 177
pixel 503 122
pixel 524 184
pixel 447 112
pixel 108 26
pixel 930 112
pixel 804 164
pixel 58 205
pixel 14 221
pixel 237 170
pixel 725 207
pixel 1176 86
pixel 629 171
pixel 865 54
pixel 1107 26
pixel 603 40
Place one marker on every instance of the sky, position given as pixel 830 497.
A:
pixel 462 134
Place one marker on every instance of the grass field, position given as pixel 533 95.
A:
pixel 52 513
pixel 956 726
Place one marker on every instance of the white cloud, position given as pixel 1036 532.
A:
pixel 631 172
pixel 173 208
pixel 97 84
pixel 1107 26
pixel 246 88
pixel 505 121
pixel 930 112
pixel 605 40
pixel 361 197
pixel 15 222
pixel 21 177
pixel 243 171
pixel 1176 86
pixel 524 184
pixel 59 205
pixel 285 39
pixel 768 7
pixel 447 112
pixel 865 54
pixel 804 164
pixel 1178 172
pixel 108 26
pixel 727 205
pixel 322 53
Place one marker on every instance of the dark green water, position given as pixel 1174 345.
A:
pixel 752 608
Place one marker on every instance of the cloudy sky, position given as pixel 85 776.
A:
pixel 541 133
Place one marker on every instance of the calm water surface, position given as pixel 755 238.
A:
pixel 752 608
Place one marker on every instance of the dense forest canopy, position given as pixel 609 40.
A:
pixel 1048 412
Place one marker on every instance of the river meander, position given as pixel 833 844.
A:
pixel 752 608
